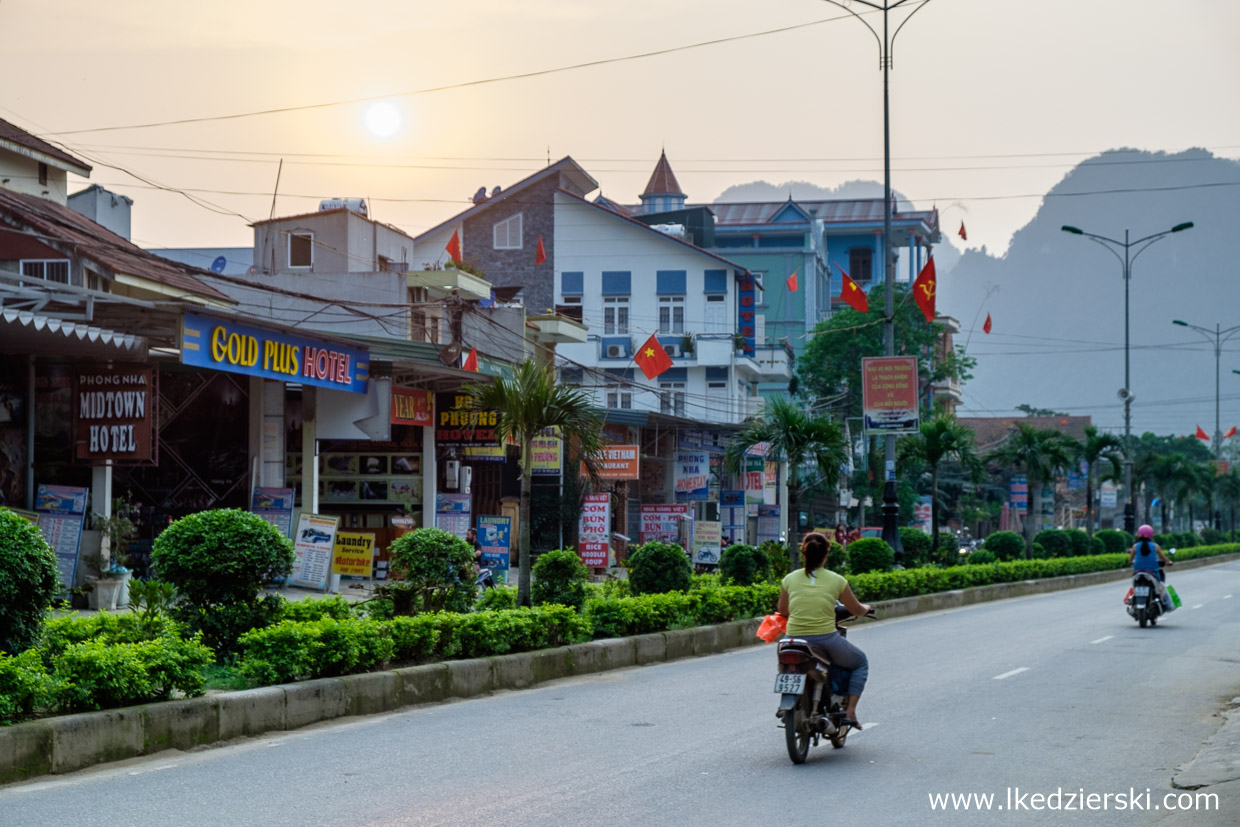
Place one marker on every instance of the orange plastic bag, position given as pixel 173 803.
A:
pixel 772 627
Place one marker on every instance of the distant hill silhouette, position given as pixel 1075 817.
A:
pixel 1057 300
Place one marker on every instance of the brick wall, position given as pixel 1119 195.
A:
pixel 507 268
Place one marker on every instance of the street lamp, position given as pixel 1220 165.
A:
pixel 1130 507
pixel 1219 336
pixel 891 505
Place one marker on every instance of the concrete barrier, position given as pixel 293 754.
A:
pixel 71 742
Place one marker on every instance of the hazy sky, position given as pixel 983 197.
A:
pixel 992 100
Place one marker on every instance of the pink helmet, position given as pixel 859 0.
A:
pixel 1145 532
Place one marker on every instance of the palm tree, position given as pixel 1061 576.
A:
pixel 940 439
pixel 1098 447
pixel 1229 493
pixel 1041 453
pixel 531 401
pixel 800 438
pixel 1165 474
pixel 1196 480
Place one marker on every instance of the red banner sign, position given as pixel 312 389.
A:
pixel 411 407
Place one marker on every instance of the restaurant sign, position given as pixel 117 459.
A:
pixel 230 346
pixel 113 414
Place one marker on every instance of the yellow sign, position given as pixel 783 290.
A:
pixel 353 554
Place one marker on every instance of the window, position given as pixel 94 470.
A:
pixel 861 264
pixel 759 289
pixel 42 174
pixel 56 270
pixel 672 398
pixel 716 317
pixel 301 249
pixel 507 233
pixel 615 315
pixel 619 396
pixel 671 314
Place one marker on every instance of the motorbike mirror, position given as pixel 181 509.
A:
pixel 1171 551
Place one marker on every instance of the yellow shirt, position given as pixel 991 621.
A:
pixel 811 601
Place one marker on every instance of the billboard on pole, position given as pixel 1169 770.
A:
pixel 889 394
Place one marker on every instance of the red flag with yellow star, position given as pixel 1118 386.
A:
pixel 454 247
pixel 652 358
pixel 925 289
pixel 854 295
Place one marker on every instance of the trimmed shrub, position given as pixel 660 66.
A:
pixel 1078 540
pixel 326 647
pixel 1040 551
pixel 1055 542
pixel 1006 545
pixel 316 608
pixel 62 632
pixel 981 557
pixel 655 568
pixel 948 552
pixel 1115 542
pixel 1096 546
pixel 100 675
pixel 28 581
pixel 837 558
pixel 777 555
pixel 916 545
pixel 1211 536
pixel 560 578
pixel 26 689
pixel 500 597
pixel 1185 539
pixel 744 565
pixel 870 554
pixel 221 557
pixel 1165 540
pixel 437 569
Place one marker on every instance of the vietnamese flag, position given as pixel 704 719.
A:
pixel 925 288
pixel 454 246
pixel 962 233
pixel 1230 433
pixel 791 281
pixel 853 294
pixel 652 358
pixel 986 327
pixel 540 254
pixel 471 361
pixel 1202 434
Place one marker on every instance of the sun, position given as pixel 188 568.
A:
pixel 382 119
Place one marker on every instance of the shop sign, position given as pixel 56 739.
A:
pixel 313 545
pixel 707 537
pixel 692 476
pixel 353 554
pixel 755 479
pixel 226 345
pixel 458 423
pixel 62 509
pixel 495 537
pixel 1019 496
pixel 452 513
pixel 412 407
pixel 768 523
pixel 113 414
pixel 889 394
pixel 547 453
pixel 662 523
pixel 594 531
pixel 746 324
pixel 617 462
pixel 275 505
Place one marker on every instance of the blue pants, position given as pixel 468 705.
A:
pixel 843 656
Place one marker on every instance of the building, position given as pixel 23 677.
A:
pixel 30 165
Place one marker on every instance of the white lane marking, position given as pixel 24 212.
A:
pixel 1099 640
pixel 1010 674
pixel 1199 605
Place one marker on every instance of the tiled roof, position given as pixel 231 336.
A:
pixel 663 180
pixel 15 134
pixel 989 431
pixel 114 255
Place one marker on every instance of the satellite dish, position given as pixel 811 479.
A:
pixel 218 265
pixel 451 354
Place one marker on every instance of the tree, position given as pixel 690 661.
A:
pixel 940 439
pixel 1228 488
pixel 831 365
pixel 1195 480
pixel 526 404
pixel 1098 447
pixel 1041 453
pixel 799 437
pixel 1166 474
pixel 1030 410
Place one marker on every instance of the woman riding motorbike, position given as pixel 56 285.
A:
pixel 1145 555
pixel 807 598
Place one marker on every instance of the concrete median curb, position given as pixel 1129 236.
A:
pixel 73 742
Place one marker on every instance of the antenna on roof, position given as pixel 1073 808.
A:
pixel 279 169
pixel 548 154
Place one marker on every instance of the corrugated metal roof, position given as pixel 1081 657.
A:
pixel 113 254
pixel 863 210
pixel 663 180
pixel 15 134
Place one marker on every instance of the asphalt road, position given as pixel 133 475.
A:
pixel 1059 691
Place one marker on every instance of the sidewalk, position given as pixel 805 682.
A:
pixel 1216 767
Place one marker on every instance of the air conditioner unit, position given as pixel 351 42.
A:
pixel 616 352
pixel 673 350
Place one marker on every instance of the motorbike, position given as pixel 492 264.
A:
pixel 485 579
pixel 813 693
pixel 1143 601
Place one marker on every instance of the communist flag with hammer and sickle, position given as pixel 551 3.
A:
pixel 925 289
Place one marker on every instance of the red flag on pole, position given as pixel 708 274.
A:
pixel 925 288
pixel 791 281
pixel 652 358
pixel 964 235
pixel 540 254
pixel 854 295
pixel 1230 433
pixel 471 361
pixel 454 246
pixel 1202 434
pixel 986 327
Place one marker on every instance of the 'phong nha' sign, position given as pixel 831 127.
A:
pixel 113 412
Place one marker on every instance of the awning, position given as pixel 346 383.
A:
pixel 28 332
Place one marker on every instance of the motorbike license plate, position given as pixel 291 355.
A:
pixel 1141 591
pixel 789 684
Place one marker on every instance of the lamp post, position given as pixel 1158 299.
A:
pixel 1113 246
pixel 886 40
pixel 1219 336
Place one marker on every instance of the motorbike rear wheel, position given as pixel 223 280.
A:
pixel 796 731
pixel 1142 618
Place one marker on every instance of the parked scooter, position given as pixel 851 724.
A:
pixel 813 693
pixel 1144 602
pixel 485 579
